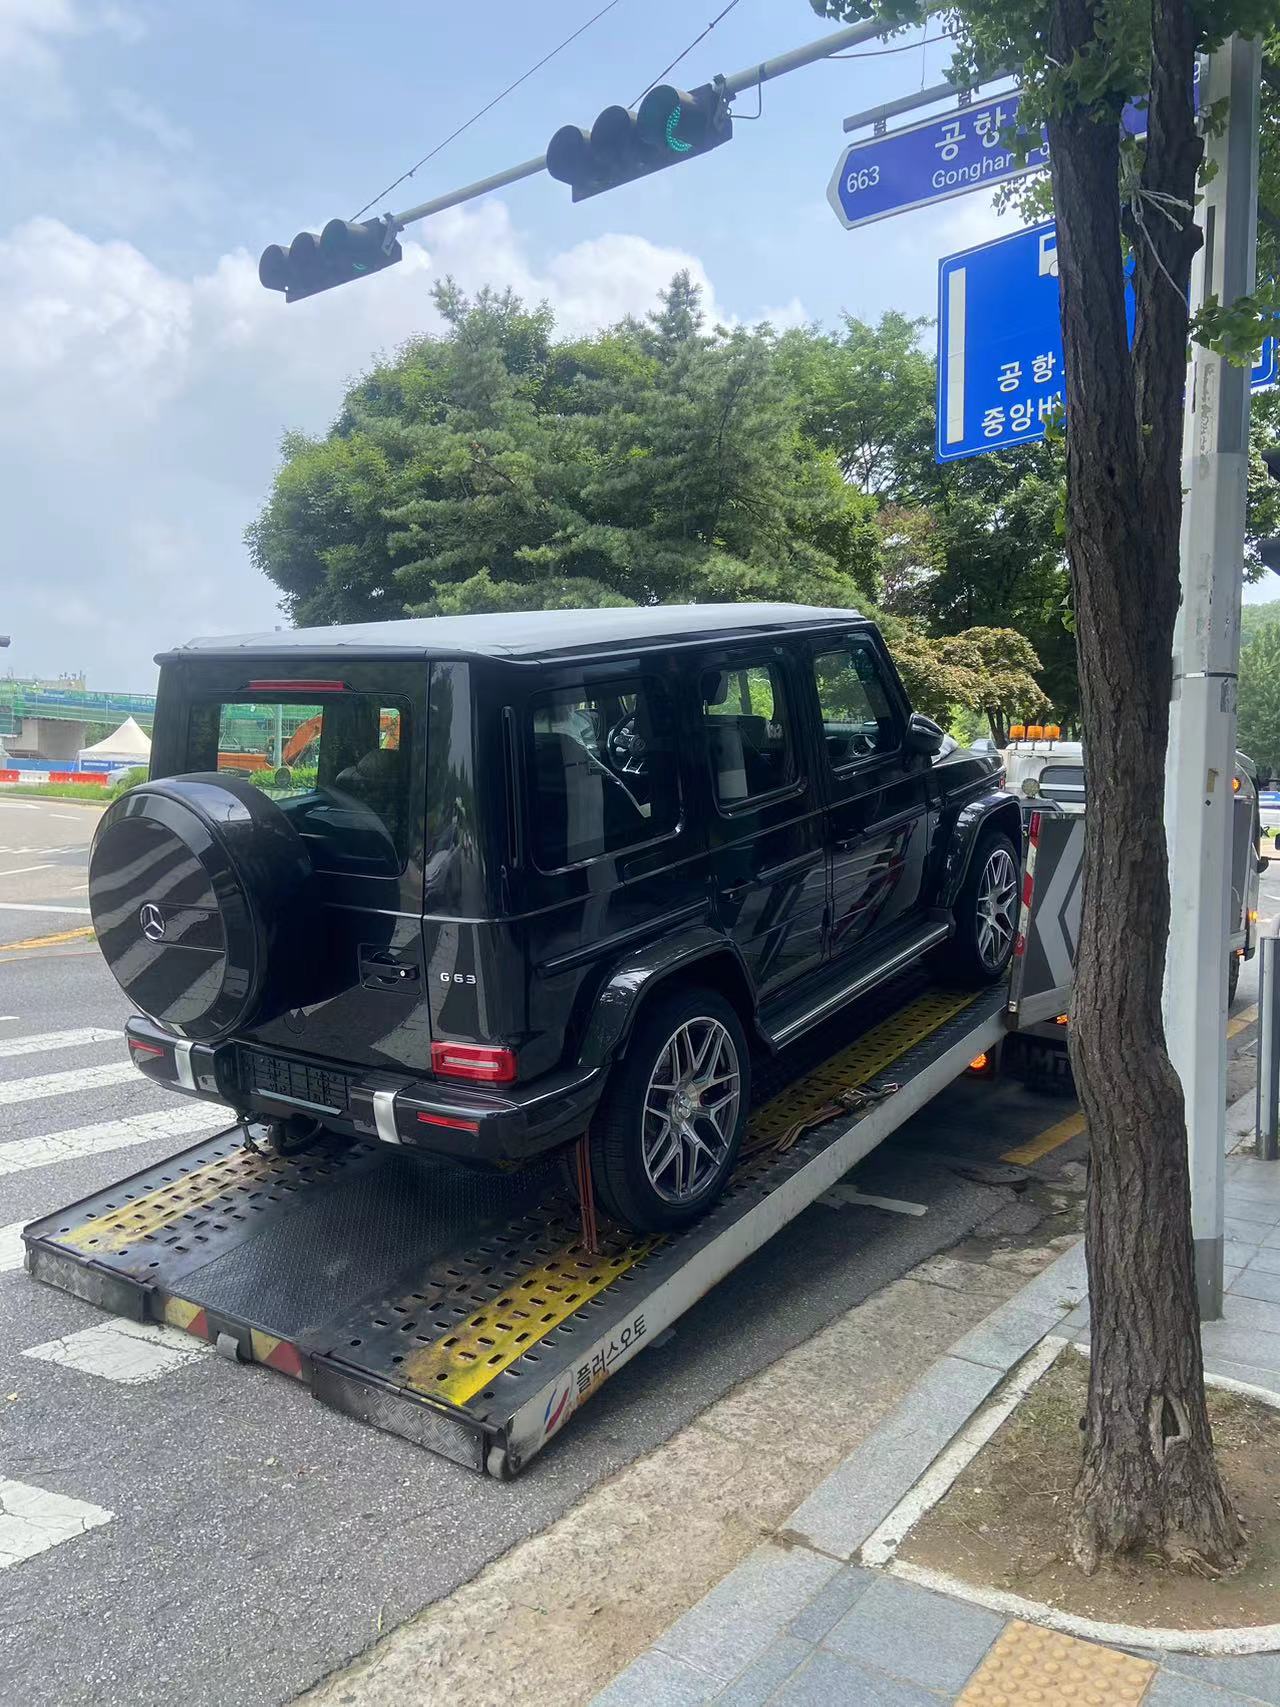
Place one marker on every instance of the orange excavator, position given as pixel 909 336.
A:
pixel 303 737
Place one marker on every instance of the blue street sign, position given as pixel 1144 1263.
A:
pixel 943 157
pixel 1266 370
pixel 1000 344
pixel 929 162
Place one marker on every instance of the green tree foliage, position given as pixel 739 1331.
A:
pixel 1259 726
pixel 493 467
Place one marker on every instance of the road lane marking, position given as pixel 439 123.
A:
pixel 1061 1132
pixel 22 870
pixel 45 942
pixel 63 1084
pixel 33 1520
pixel 38 1043
pixel 66 816
pixel 11 1246
pixel 20 805
pixel 122 1351
pixel 35 907
pixel 21 1154
pixel 843 1196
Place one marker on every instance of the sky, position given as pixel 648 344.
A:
pixel 149 151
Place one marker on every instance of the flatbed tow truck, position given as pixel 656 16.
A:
pixel 460 1310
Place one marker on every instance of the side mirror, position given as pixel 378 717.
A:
pixel 1264 865
pixel 923 735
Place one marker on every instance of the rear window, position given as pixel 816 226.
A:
pixel 338 767
pixel 1063 782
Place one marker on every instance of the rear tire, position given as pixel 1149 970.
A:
pixel 986 915
pixel 1233 976
pixel 666 1136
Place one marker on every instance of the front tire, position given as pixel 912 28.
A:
pixel 666 1136
pixel 986 914
pixel 1234 962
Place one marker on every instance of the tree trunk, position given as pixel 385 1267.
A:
pixel 1149 1482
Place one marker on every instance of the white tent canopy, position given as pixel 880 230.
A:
pixel 127 745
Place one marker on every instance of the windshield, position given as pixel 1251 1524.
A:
pixel 337 766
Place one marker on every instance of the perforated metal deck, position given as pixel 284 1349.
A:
pixel 458 1308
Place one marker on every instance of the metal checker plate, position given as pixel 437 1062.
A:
pixel 469 1306
pixel 295 1275
pixel 158 1225
pixel 616 1307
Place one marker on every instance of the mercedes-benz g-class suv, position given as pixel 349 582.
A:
pixel 480 885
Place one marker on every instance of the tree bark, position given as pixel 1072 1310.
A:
pixel 1149 1482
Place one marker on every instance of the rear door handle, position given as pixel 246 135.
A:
pixel 382 971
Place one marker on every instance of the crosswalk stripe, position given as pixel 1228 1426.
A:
pixel 11 1246
pixel 122 1351
pixel 22 870
pixel 32 1520
pixel 38 907
pixel 20 1154
pixel 39 1043
pixel 63 1084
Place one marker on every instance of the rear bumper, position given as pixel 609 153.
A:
pixel 490 1128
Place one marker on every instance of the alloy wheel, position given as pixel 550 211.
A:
pixel 996 913
pixel 691 1109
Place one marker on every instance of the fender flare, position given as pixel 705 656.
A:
pixel 999 809
pixel 634 978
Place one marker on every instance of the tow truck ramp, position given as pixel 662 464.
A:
pixel 460 1309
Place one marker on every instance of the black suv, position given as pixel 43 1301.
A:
pixel 478 885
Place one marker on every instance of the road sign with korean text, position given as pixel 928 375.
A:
pixel 948 155
pixel 1000 344
pixel 930 162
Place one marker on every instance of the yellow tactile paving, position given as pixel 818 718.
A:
pixel 1030 1667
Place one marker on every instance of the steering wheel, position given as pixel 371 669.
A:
pixel 626 746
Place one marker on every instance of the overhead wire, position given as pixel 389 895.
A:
pixel 683 56
pixel 488 108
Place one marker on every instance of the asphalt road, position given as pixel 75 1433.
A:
pixel 230 1540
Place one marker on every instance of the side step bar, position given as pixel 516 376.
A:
pixel 820 1005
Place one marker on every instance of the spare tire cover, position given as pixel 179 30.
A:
pixel 194 885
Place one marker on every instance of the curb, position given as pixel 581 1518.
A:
pixel 845 1534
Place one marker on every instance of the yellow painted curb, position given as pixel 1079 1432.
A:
pixel 47 941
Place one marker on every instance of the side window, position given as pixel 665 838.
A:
pixel 604 771
pixel 857 711
pixel 748 738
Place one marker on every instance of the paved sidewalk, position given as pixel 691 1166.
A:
pixel 801 1623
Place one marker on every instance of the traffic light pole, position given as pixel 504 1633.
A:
pixel 751 77
pixel 1202 733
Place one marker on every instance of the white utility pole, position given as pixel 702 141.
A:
pixel 1206 659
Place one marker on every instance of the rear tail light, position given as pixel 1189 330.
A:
pixel 473 1061
pixel 147 1050
pixel 295 685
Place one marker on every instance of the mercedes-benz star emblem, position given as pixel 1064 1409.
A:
pixel 152 921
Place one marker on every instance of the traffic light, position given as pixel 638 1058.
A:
pixel 342 251
pixel 1269 549
pixel 669 125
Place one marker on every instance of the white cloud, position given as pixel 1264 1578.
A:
pixel 140 415
pixel 131 109
pixel 31 35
